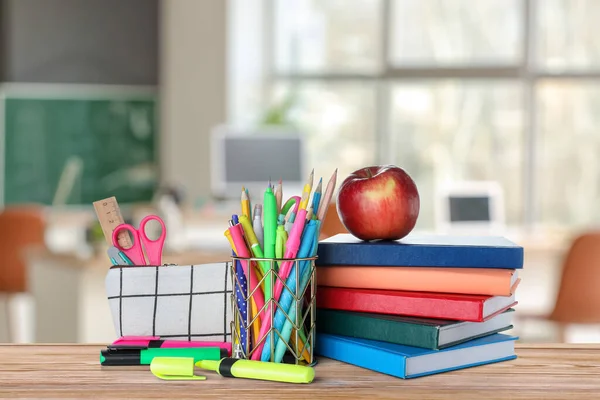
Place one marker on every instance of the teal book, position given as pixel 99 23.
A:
pixel 411 362
pixel 422 251
pixel 429 333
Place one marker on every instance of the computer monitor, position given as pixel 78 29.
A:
pixel 471 208
pixel 249 157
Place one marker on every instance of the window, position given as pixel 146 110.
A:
pixel 505 90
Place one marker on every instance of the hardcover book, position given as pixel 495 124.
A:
pixel 422 251
pixel 459 307
pixel 427 333
pixel 411 362
pixel 491 282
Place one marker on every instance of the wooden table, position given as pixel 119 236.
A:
pixel 73 371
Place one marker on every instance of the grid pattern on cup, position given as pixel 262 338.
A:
pixel 190 302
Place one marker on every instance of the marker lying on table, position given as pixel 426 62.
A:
pixel 144 356
pixel 266 371
pixel 156 342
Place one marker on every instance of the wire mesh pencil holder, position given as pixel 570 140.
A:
pixel 274 309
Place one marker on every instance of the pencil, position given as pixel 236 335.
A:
pixel 317 196
pixel 309 214
pixel 249 204
pixel 306 191
pixel 324 205
pixel 245 203
pixel 279 195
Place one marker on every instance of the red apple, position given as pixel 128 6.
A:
pixel 378 202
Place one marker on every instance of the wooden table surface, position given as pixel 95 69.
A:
pixel 73 371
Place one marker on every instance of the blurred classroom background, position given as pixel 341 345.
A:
pixel 491 105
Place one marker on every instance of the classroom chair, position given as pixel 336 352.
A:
pixel 20 227
pixel 578 298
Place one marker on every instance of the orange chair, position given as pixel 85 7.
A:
pixel 578 299
pixel 20 227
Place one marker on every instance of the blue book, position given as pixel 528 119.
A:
pixel 422 251
pixel 411 362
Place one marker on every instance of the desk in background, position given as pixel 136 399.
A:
pixel 539 372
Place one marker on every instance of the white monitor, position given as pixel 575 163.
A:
pixel 249 157
pixel 471 207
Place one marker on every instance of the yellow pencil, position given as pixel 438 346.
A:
pixel 245 203
pixel 306 191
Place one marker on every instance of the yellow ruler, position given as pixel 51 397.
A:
pixel 109 216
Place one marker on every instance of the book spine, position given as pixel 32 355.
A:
pixel 349 300
pixel 364 327
pixel 425 256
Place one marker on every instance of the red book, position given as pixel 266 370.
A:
pixel 459 307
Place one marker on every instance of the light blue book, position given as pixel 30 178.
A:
pixel 411 362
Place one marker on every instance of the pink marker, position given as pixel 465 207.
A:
pixel 155 341
pixel 291 249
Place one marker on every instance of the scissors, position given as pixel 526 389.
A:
pixel 141 242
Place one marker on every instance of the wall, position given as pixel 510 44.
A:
pixel 74 41
pixel 193 88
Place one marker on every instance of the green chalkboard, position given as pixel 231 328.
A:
pixel 96 147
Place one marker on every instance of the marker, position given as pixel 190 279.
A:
pixel 266 371
pixel 143 342
pixel 141 356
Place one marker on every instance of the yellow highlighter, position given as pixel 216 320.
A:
pixel 267 371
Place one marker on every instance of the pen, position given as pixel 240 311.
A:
pixel 144 356
pixel 257 225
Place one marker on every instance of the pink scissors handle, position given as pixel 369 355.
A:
pixel 135 253
pixel 154 248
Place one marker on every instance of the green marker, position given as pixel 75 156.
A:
pixel 269 236
pixel 266 371
pixel 144 356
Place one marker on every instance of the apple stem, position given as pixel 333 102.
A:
pixel 368 171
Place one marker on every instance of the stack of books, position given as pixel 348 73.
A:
pixel 417 306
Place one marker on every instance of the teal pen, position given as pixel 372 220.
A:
pixel 305 274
